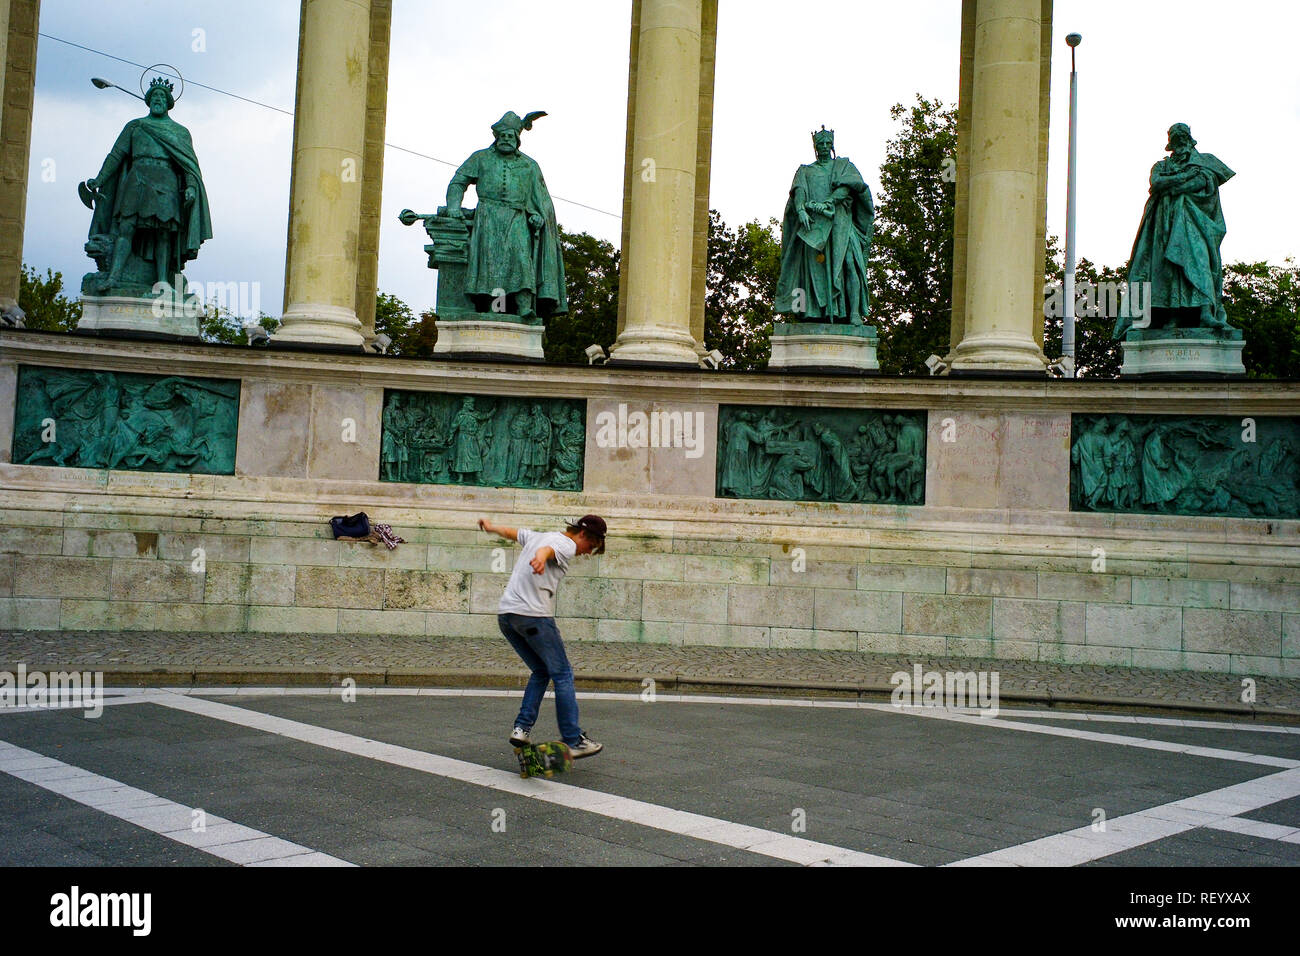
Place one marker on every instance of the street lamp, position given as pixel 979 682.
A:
pixel 1067 332
pixel 105 84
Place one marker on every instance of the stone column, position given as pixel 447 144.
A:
pixel 1001 246
pixel 703 171
pixel 661 207
pixel 329 135
pixel 961 213
pixel 372 184
pixel 4 44
pixel 18 23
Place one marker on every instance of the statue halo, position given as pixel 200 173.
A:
pixel 144 92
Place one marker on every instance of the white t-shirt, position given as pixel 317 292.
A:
pixel 533 595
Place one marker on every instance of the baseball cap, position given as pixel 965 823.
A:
pixel 593 525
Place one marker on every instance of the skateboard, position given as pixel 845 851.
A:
pixel 544 760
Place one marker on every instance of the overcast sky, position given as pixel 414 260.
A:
pixel 783 69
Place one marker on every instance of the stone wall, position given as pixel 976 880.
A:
pixel 994 564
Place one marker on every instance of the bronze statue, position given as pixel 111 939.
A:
pixel 150 208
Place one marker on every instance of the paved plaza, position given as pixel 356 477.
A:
pixel 423 776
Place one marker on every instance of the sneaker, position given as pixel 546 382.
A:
pixel 520 737
pixel 586 747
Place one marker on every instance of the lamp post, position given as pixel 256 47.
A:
pixel 105 84
pixel 1067 332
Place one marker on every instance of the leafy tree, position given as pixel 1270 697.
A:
pixel 392 318
pixel 1096 354
pixel 42 299
pixel 421 335
pixel 223 327
pixel 911 254
pixel 740 287
pixel 1264 302
pixel 412 336
pixel 591 280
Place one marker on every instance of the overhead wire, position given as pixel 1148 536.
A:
pixel 215 89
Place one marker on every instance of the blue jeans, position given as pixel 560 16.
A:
pixel 537 641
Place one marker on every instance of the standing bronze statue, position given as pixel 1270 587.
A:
pixel 514 241
pixel 150 208
pixel 825 238
pixel 1177 245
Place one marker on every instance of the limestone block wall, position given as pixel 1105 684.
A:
pixel 993 564
pixel 1160 603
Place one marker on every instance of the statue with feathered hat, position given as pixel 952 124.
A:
pixel 514 243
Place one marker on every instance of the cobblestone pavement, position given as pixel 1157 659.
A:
pixel 127 657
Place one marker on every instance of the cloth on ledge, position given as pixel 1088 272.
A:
pixel 385 533
pixel 379 534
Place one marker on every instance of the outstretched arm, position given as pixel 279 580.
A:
pixel 501 530
pixel 465 175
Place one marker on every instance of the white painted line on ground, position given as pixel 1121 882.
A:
pixel 1142 743
pixel 697 826
pixel 221 838
pixel 1145 826
pixel 87 703
pixel 1157 721
pixel 1255 828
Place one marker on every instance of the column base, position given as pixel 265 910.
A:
pixel 1182 353
pixel 311 323
pixel 655 346
pixel 154 317
pixel 489 339
pixel 823 347
pixel 998 351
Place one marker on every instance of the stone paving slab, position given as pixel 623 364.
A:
pixel 268 659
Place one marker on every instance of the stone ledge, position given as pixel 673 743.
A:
pixel 235 676
pixel 630 383
pixel 156 502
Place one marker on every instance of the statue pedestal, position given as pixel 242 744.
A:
pixel 164 316
pixel 1181 353
pixel 488 338
pixel 823 347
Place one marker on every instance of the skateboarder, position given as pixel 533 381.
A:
pixel 526 616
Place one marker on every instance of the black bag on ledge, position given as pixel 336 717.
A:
pixel 352 526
